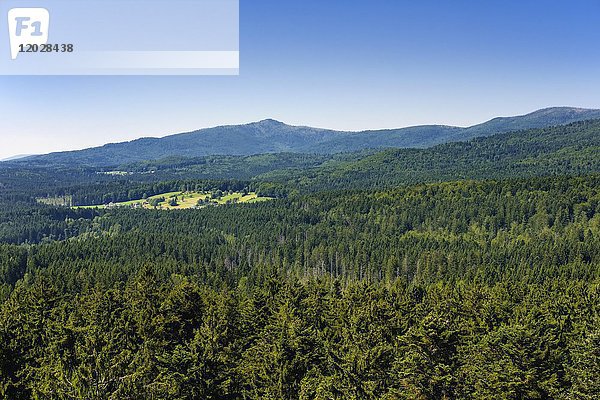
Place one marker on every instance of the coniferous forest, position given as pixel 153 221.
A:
pixel 475 275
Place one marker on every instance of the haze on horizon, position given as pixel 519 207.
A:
pixel 338 65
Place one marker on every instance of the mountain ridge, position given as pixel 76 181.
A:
pixel 272 136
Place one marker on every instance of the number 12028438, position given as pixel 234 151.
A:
pixel 46 48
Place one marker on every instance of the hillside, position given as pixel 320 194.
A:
pixel 270 136
pixel 571 149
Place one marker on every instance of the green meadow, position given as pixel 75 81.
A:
pixel 186 200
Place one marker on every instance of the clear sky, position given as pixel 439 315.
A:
pixel 342 64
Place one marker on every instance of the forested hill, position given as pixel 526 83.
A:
pixel 562 150
pixel 270 136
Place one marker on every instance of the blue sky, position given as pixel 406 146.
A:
pixel 339 64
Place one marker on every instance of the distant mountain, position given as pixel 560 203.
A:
pixel 270 136
pixel 431 135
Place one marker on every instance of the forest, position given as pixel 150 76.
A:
pixel 455 290
pixel 463 271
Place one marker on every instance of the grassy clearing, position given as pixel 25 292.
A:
pixel 186 200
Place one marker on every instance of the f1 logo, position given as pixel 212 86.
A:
pixel 27 26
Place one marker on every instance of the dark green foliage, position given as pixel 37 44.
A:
pixel 461 290
pixel 183 340
pixel 584 369
pixel 25 222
